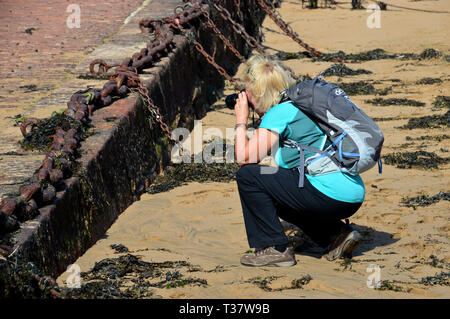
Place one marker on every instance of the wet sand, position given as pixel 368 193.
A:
pixel 203 225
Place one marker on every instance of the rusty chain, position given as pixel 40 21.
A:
pixel 238 28
pixel 124 78
pixel 209 58
pixel 251 41
pixel 209 23
pixel 276 17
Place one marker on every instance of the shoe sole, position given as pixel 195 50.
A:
pixel 350 244
pixel 280 264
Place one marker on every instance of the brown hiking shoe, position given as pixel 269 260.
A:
pixel 270 257
pixel 344 243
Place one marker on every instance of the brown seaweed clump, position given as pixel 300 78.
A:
pixel 429 53
pixel 379 54
pixel 264 283
pixel 417 159
pixel 425 200
pixel 128 277
pixel 442 279
pixel 41 135
pixel 376 54
pixel 383 119
pixel 362 88
pixel 390 285
pixel 394 101
pixel 429 81
pixel 283 56
pixel 342 70
pixel 428 121
pixel 437 138
pixel 441 101
pixel 179 174
pixel 88 76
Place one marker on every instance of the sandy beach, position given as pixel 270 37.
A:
pixel 202 223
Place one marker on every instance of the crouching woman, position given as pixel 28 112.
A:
pixel 266 195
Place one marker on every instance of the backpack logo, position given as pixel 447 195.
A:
pixel 338 91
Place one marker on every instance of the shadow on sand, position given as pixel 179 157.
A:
pixel 371 239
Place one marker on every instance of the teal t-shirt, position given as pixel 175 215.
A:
pixel 289 122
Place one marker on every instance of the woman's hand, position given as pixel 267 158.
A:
pixel 241 108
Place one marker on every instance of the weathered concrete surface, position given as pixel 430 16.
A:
pixel 126 147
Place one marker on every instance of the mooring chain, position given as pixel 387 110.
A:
pixel 238 28
pixel 275 16
pixel 208 57
pixel 154 110
pixel 56 165
pixel 209 23
pixel 239 11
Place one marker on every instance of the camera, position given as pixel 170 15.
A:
pixel 230 100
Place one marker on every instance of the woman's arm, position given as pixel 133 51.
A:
pixel 255 149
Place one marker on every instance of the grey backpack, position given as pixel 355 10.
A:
pixel 356 140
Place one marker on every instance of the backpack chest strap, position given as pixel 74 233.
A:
pixel 301 148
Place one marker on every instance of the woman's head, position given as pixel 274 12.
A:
pixel 266 79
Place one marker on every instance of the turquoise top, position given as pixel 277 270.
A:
pixel 289 122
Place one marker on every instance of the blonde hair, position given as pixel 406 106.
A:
pixel 266 78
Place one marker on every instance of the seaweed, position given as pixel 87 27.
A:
pixel 362 88
pixel 342 70
pixel 88 76
pixel 435 262
pixel 29 88
pixel 441 101
pixel 429 81
pixel 296 283
pixel 379 54
pixel 129 277
pixel 383 119
pixel 283 56
pixel 301 78
pixel 390 285
pixel 263 283
pixel 394 101
pixel 437 138
pixel 119 248
pixel 425 200
pixel 30 30
pixel 21 279
pixel 179 174
pixel 376 54
pixel 429 54
pixel 358 88
pixel 428 121
pixel 40 136
pixel 417 159
pixel 441 279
